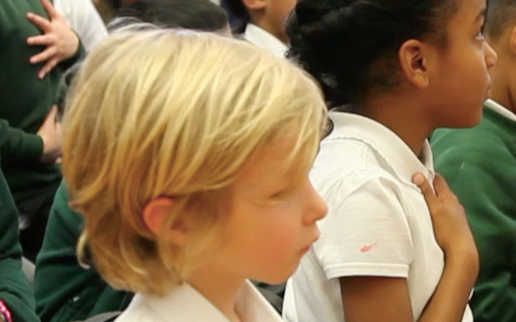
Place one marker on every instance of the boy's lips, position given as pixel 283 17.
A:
pixel 307 247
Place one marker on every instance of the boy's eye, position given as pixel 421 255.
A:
pixel 283 194
pixel 278 195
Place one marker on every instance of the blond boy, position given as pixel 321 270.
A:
pixel 188 156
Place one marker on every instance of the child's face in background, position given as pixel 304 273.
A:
pixel 262 240
pixel 277 12
pixel 460 79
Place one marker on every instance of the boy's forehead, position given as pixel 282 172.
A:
pixel 271 165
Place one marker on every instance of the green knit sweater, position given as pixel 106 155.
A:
pixel 26 101
pixel 479 164
pixel 64 290
pixel 14 288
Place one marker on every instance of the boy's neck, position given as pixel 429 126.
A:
pixel 220 288
pixel 401 117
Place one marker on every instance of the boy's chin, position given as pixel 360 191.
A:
pixel 277 278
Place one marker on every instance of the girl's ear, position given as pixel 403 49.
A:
pixel 414 63
pixel 155 215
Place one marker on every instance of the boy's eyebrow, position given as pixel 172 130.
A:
pixel 482 14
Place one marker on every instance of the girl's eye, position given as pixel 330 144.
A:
pixel 480 35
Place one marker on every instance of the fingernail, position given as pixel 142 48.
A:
pixel 418 179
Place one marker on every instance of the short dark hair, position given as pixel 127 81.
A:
pixel 188 14
pixel 236 8
pixel 351 46
pixel 500 15
pixel 239 14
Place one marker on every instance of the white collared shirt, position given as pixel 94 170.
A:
pixel 263 39
pixel 498 108
pixel 185 304
pixel 378 223
pixel 83 18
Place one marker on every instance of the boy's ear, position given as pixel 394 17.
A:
pixel 155 214
pixel 254 4
pixel 414 64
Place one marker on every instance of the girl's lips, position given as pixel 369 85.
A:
pixel 307 247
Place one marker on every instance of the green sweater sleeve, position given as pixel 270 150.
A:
pixel 15 291
pixel 85 293
pixel 480 170
pixel 19 146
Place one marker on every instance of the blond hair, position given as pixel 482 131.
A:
pixel 173 113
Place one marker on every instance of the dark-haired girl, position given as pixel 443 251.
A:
pixel 395 70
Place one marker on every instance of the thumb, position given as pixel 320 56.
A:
pixel 426 189
pixel 440 185
pixel 53 112
pixel 51 116
pixel 58 127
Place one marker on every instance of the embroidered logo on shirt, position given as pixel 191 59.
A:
pixel 367 248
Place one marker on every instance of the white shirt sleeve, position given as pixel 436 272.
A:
pixel 366 231
pixel 83 18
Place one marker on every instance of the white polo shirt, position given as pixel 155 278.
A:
pixel 263 39
pixel 82 17
pixel 185 304
pixel 378 223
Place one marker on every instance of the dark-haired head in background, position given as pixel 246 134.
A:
pixel 188 14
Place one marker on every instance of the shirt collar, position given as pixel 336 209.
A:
pixel 185 303
pixel 500 109
pixel 386 143
pixel 265 40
